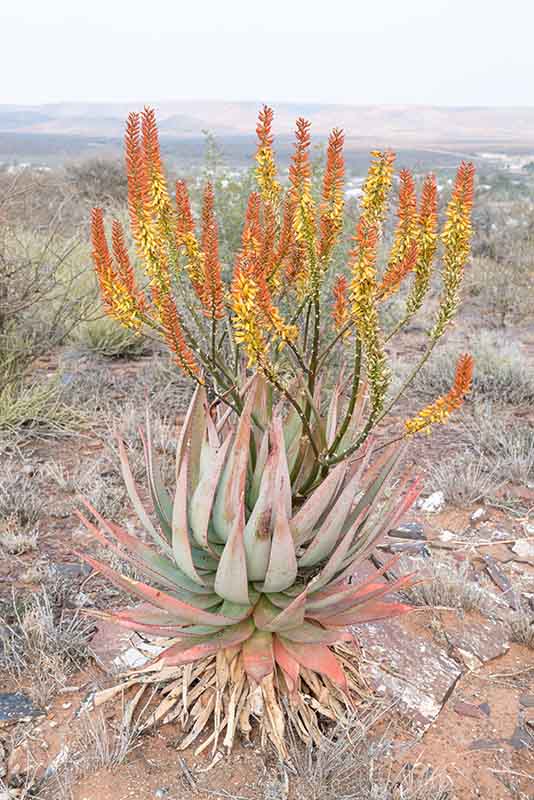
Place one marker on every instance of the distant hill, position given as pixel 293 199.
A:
pixel 400 126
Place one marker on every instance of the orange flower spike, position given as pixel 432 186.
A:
pixel 300 180
pixel 212 294
pixel 174 335
pixel 395 274
pixel 456 238
pixel 266 167
pixel 333 204
pixel 120 300
pixel 406 231
pixel 144 230
pixel 286 232
pixel 377 186
pixel 440 410
pixel 185 237
pixel 340 311
pixel 185 223
pixel 427 240
pixel 158 186
pixel 120 253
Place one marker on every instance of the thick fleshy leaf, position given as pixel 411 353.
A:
pixel 320 599
pixel 289 665
pixel 161 499
pixel 359 597
pixel 307 517
pixel 183 611
pixel 310 633
pixel 261 460
pixel 370 612
pixel 268 617
pixel 144 559
pixel 318 658
pixel 219 641
pixel 328 534
pixel 231 487
pixel 133 620
pixel 282 569
pixel 181 542
pixel 335 561
pixel 258 530
pixel 231 580
pixel 258 659
pixel 192 435
pixel 137 503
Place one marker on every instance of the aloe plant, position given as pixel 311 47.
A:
pixel 240 578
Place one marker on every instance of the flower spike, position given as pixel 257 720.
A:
pixel 442 408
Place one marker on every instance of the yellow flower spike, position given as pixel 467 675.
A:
pixel 364 309
pixel 246 320
pixel 440 410
pixel 427 240
pixel 377 186
pixel 266 168
pixel 340 312
pixel 456 238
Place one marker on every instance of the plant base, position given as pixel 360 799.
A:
pixel 215 692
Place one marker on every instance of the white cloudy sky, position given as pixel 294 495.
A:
pixel 445 52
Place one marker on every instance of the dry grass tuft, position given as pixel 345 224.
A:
pixel 42 642
pixel 522 625
pixel 352 764
pixel 449 586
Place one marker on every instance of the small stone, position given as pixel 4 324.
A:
pixel 527 700
pixel 410 530
pixel 479 515
pixel 73 570
pixel 162 792
pixel 520 739
pixel 485 744
pixel 434 503
pixel 485 708
pixel 15 706
pixel 28 469
pixel 468 710
pixel 418 548
pixel 66 705
pixel 446 536
pixel 52 723
pixel 524 549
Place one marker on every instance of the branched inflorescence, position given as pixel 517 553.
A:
pixel 269 316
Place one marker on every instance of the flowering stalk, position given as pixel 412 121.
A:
pixel 442 408
pixel 268 317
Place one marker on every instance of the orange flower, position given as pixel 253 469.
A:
pixel 396 273
pixel 427 239
pixel 212 292
pixel 333 198
pixel 340 311
pixel 442 408
pixel 174 335
pixel 266 167
pixel 121 298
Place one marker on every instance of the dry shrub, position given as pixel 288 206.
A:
pixel 42 642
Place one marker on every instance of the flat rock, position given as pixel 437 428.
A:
pixel 527 700
pixel 15 706
pixel 524 549
pixel 469 710
pixel 475 643
pixel 433 504
pixel 409 530
pixel 118 650
pixel 412 672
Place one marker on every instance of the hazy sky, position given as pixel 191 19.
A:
pixel 444 52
